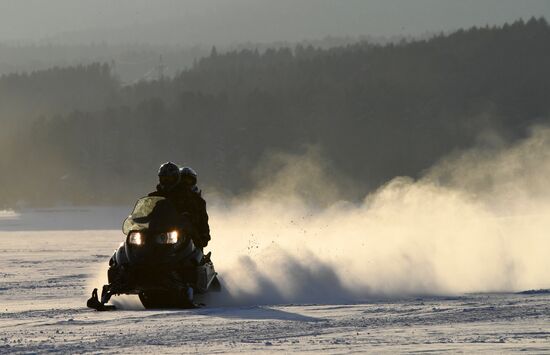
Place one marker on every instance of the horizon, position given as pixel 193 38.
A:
pixel 193 22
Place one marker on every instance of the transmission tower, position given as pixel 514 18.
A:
pixel 160 69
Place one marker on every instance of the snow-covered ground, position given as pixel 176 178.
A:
pixel 46 276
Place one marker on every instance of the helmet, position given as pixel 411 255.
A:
pixel 188 176
pixel 169 175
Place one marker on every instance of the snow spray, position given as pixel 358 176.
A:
pixel 478 221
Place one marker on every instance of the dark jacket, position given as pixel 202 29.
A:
pixel 189 201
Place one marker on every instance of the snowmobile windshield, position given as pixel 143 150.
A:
pixel 152 213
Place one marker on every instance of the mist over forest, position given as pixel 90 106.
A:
pixel 372 111
pixel 133 62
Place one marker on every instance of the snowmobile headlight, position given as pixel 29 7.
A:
pixel 168 238
pixel 135 238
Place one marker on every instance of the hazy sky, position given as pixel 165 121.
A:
pixel 227 21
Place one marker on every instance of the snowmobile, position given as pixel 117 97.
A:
pixel 158 260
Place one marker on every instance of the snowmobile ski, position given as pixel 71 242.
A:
pixel 94 303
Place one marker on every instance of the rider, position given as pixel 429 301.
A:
pixel 180 187
pixel 188 181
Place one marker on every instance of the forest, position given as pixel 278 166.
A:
pixel 77 135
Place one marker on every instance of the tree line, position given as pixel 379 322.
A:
pixel 374 111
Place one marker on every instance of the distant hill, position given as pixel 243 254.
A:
pixel 374 111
